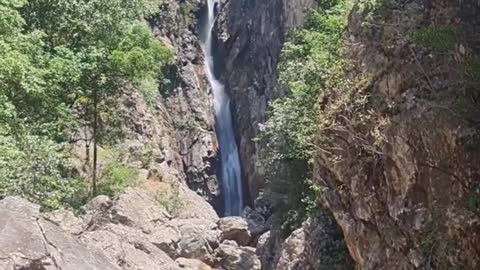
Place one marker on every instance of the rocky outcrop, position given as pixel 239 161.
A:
pixel 238 258
pixel 408 203
pixel 251 37
pixel 134 231
pixel 29 242
pixel 316 245
pixel 236 229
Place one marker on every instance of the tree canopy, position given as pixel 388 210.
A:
pixel 60 60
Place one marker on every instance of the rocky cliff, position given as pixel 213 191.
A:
pixel 251 35
pixel 404 187
pixel 187 99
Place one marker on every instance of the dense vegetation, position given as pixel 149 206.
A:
pixel 64 63
pixel 310 61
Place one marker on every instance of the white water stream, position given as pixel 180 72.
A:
pixel 229 158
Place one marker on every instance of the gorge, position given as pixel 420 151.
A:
pixel 240 134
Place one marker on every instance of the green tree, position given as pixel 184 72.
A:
pixel 62 64
pixel 106 45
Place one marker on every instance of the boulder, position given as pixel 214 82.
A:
pixel 66 220
pixel 28 241
pixel 194 206
pixel 137 208
pixel 234 228
pixel 166 238
pixel 195 246
pixel 266 249
pixel 201 227
pixel 192 264
pixel 100 203
pixel 292 256
pixel 128 247
pixel 233 257
pixel 256 222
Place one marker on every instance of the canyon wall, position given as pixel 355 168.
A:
pixel 409 200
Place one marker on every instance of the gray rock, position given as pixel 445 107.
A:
pixel 136 208
pixel 166 238
pixel 256 222
pixel 238 258
pixel 66 220
pixel 292 254
pixel 130 248
pixel 192 264
pixel 195 246
pixel 194 206
pixel 29 242
pixel 235 228
pixel 266 250
pixel 201 227
pixel 98 204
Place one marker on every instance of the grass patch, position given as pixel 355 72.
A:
pixel 435 38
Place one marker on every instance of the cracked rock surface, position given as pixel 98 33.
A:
pixel 131 232
pixel 28 241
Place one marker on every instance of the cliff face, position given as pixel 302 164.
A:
pixel 187 99
pixel 251 35
pixel 412 203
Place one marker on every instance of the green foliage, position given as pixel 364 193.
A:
pixel 38 169
pixel 57 54
pixel 472 68
pixel 187 11
pixel 115 178
pixel 64 64
pixel 150 91
pixel 437 39
pixel 307 62
pixel 371 10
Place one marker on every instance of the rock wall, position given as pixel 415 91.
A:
pixel 187 99
pixel 410 204
pixel 251 35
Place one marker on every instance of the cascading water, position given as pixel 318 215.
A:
pixel 230 162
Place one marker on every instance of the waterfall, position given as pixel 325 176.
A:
pixel 229 158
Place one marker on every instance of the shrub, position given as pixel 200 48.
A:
pixel 307 62
pixel 38 170
pixel 115 178
pixel 437 39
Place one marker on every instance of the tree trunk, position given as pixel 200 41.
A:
pixel 94 137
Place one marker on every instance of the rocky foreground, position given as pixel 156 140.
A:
pixel 134 232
